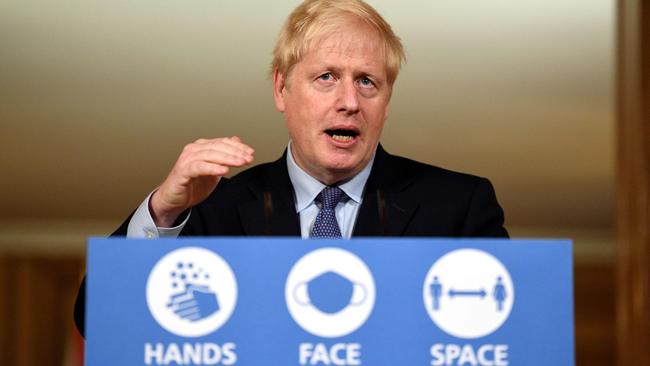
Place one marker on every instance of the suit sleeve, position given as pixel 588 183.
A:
pixel 484 215
pixel 122 231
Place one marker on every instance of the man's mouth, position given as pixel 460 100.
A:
pixel 343 135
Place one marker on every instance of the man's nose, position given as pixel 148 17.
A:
pixel 348 98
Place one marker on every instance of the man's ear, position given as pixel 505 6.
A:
pixel 279 84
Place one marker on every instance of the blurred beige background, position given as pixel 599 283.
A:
pixel 98 98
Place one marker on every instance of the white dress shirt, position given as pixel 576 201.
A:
pixel 307 188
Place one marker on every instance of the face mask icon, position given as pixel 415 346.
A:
pixel 330 292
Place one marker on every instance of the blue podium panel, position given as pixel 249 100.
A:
pixel 263 301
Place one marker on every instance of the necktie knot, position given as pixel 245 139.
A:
pixel 329 197
pixel 326 225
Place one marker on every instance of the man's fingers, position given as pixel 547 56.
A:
pixel 222 145
pixel 235 141
pixel 218 157
pixel 199 169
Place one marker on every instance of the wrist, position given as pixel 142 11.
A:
pixel 163 215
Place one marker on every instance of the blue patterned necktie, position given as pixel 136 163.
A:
pixel 326 225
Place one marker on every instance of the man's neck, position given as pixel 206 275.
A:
pixel 329 177
pixel 306 187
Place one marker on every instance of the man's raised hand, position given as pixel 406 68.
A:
pixel 195 175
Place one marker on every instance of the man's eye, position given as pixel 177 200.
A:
pixel 326 77
pixel 366 82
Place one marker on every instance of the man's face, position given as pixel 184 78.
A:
pixel 335 102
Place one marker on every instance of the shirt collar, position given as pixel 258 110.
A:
pixel 307 187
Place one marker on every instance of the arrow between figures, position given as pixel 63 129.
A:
pixel 480 293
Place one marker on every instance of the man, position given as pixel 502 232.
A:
pixel 333 69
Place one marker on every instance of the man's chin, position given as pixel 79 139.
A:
pixel 340 171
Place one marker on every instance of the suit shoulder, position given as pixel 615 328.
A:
pixel 458 204
pixel 427 173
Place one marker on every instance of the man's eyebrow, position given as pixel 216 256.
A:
pixel 369 74
pixel 325 66
pixel 357 72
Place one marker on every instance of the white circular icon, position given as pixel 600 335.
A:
pixel 468 293
pixel 330 292
pixel 191 292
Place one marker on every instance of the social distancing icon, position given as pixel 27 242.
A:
pixel 468 293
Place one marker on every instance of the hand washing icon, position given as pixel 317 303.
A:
pixel 330 292
pixel 191 291
pixel 197 301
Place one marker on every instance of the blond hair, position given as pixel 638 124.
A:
pixel 314 19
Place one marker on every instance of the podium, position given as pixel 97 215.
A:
pixel 286 301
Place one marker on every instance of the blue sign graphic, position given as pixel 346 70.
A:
pixel 330 292
pixel 500 293
pixel 196 301
pixel 453 293
pixel 241 301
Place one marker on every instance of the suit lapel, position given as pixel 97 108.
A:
pixel 272 212
pixel 386 210
pixel 387 207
